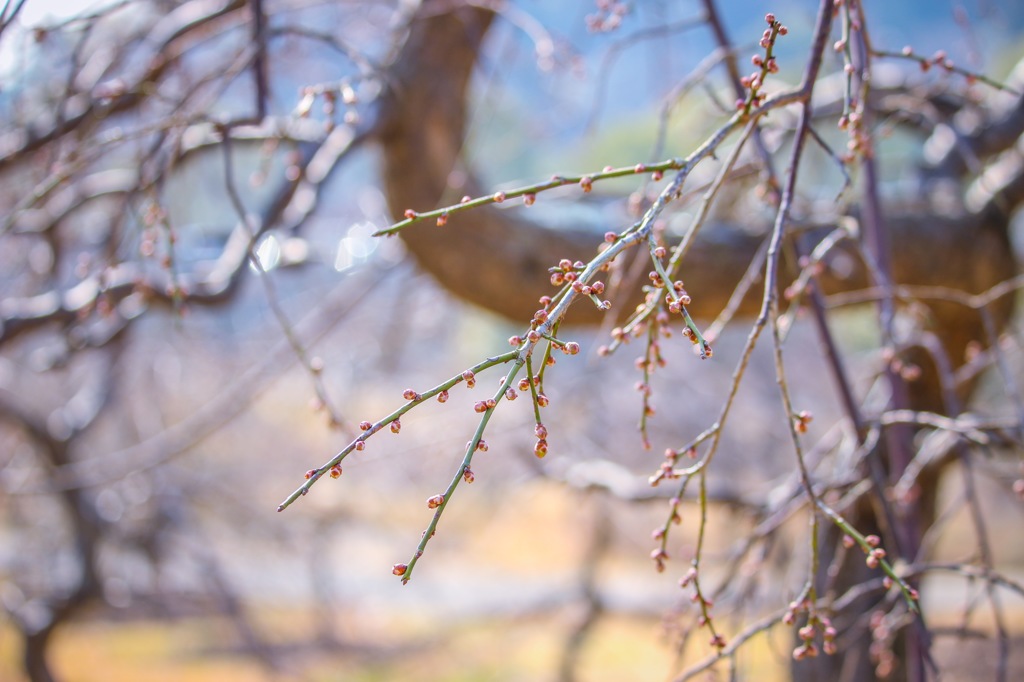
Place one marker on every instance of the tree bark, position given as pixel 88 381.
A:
pixel 498 259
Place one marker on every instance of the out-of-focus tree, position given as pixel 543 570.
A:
pixel 126 128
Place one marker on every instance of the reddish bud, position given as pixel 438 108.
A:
pixel 311 473
pixel 529 198
pixel 480 406
pixel 587 183
pixel 336 471
pixel 365 426
pixel 442 219
pixel 435 501
pixel 396 426
pixel 498 197
pixel 410 394
pixel 542 400
pixel 610 237
pixel 360 445
pixel 540 448
pixel 442 397
pixel 399 569
pixel 409 214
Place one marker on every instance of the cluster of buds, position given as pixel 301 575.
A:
pixel 482 406
pixel 859 142
pixel 808 633
pixel 702 349
pixel 540 448
pixel 874 552
pixel 938 59
pixel 659 556
pixel 765 64
pixel 680 298
pixel 690 579
pixel 666 472
pixel 566 271
pixel 524 383
pixel 608 16
pixel 801 420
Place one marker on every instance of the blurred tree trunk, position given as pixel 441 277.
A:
pixel 499 260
